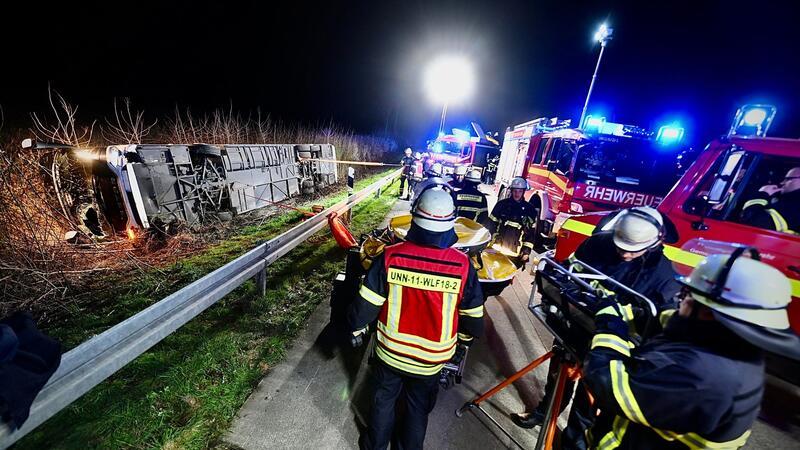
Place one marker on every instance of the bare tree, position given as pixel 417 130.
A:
pixel 61 127
pixel 128 127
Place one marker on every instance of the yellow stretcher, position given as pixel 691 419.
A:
pixel 495 270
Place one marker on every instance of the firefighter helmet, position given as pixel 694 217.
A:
pixel 434 210
pixel 435 170
pixel 747 296
pixel 638 229
pixel 418 155
pixel 473 176
pixel 461 170
pixel 519 183
pixel 408 151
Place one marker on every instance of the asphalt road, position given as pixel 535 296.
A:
pixel 318 397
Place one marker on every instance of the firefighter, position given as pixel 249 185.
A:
pixel 415 176
pixel 512 223
pixel 427 162
pixel 470 201
pixel 491 169
pixel 778 207
pixel 458 177
pixel 408 167
pixel 427 302
pixel 699 383
pixel 628 248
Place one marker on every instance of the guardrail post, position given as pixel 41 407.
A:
pixel 261 282
pixel 351 183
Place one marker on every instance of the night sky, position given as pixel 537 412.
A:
pixel 360 63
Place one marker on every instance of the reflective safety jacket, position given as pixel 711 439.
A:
pixel 471 203
pixel 512 224
pixel 426 299
pixel 779 214
pixel 697 385
pixel 408 163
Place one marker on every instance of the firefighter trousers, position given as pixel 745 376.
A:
pixel 419 395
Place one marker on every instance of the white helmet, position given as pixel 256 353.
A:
pixel 474 176
pixel 747 296
pixel 418 155
pixel 461 170
pixel 753 292
pixel 408 151
pixel 436 169
pixel 434 210
pixel 519 183
pixel 638 229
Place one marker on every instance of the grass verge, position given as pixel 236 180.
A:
pixel 185 391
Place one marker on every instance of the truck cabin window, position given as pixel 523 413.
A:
pixel 626 163
pixel 761 191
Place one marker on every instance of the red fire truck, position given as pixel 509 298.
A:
pixel 602 167
pixel 463 148
pixel 707 202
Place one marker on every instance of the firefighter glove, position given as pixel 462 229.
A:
pixel 610 318
pixel 357 338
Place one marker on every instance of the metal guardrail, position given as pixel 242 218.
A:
pixel 90 363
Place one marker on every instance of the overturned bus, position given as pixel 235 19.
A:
pixel 137 186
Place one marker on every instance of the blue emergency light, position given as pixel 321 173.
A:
pixel 462 135
pixel 752 120
pixel 669 135
pixel 595 123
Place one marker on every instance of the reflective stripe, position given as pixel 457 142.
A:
pixel 407 364
pixel 610 310
pixel 627 312
pixel 755 201
pixel 780 222
pixel 416 340
pixel 513 224
pixel 370 296
pixel 493 218
pixel 527 244
pixel 665 315
pixel 613 342
pixel 424 281
pixel 469 197
pixel 449 302
pixel 472 312
pixel 696 442
pixel 393 314
pixel 578 227
pixel 613 438
pixel 623 393
pixel 422 356
pixel 464 337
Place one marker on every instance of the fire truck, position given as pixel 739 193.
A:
pixel 706 205
pixel 601 167
pixel 463 148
